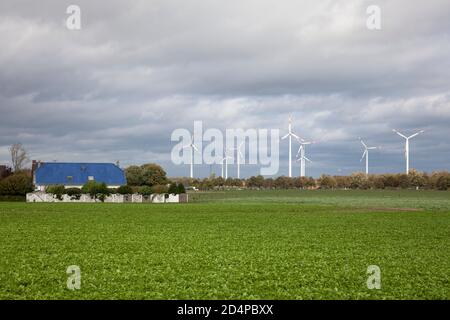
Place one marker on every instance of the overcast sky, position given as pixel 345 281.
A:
pixel 137 70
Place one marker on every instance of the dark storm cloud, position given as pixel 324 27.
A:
pixel 137 70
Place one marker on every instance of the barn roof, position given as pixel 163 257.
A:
pixel 78 173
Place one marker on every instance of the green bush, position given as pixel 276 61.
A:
pixel 145 190
pixel 112 190
pixel 17 184
pixel 173 188
pixel 13 198
pixel 124 190
pixel 181 188
pixel 159 188
pixel 327 182
pixel 443 183
pixel 57 190
pixel 96 190
pixel 74 193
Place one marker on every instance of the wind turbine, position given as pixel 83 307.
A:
pixel 366 154
pixel 407 145
pixel 303 158
pixel 238 156
pixel 225 160
pixel 290 134
pixel 193 148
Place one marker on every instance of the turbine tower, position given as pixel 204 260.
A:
pixel 407 145
pixel 225 161
pixel 289 135
pixel 238 157
pixel 193 148
pixel 366 154
pixel 303 158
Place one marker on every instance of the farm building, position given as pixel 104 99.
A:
pixel 76 174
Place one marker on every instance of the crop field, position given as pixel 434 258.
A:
pixel 231 245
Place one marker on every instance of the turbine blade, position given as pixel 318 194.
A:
pixel 195 147
pixel 307 159
pixel 416 134
pixel 285 136
pixel 364 154
pixel 299 150
pixel 401 135
pixel 362 142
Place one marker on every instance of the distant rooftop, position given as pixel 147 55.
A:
pixel 69 173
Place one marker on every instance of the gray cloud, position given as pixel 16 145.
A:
pixel 137 70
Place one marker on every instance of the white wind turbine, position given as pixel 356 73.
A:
pixel 225 161
pixel 239 156
pixel 366 154
pixel 290 134
pixel 193 148
pixel 407 145
pixel 303 158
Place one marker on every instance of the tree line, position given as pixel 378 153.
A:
pixel 414 180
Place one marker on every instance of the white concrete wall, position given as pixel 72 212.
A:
pixel 173 198
pixel 39 196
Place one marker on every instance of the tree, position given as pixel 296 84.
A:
pixel 443 182
pixel 17 184
pixel 149 174
pixel 181 188
pixel 57 190
pixel 173 188
pixel 256 182
pixel 283 182
pixel 219 182
pixel 327 182
pixel 416 179
pixel 359 180
pixel 159 189
pixel 343 182
pixel 134 176
pixel 145 190
pixel 153 174
pixel 403 180
pixel 19 156
pixel 124 190
pixel 95 190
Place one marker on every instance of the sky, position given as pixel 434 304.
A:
pixel 117 88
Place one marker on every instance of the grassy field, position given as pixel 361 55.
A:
pixel 231 245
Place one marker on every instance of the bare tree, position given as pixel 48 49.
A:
pixel 19 156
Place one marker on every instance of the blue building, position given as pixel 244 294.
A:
pixel 76 174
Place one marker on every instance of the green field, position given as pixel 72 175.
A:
pixel 231 245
